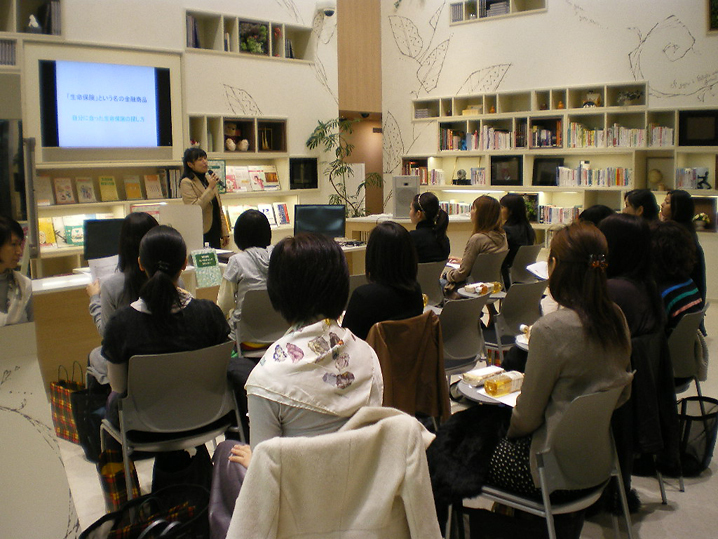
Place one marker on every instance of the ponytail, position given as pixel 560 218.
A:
pixel 162 254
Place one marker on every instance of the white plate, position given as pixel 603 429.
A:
pixel 522 341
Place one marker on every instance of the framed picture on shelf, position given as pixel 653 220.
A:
pixel 506 170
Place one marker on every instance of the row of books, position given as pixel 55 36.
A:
pixel 48 16
pixel 625 137
pixel 492 9
pixel 580 136
pixel 689 178
pixel 66 231
pixel 250 178
pixel 496 139
pixel 192 32
pixel 546 137
pixel 277 213
pixel 85 189
pixel 455 208
pixel 478 176
pixel 7 52
pixel 584 176
pixel 549 214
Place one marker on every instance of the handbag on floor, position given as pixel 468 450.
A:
pixel 112 478
pixel 61 403
pixel 179 468
pixel 88 410
pixel 175 512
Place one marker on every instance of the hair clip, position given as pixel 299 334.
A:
pixel 163 266
pixel 597 261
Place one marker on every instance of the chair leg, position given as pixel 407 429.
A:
pixel 661 484
pixel 548 514
pixel 622 494
pixel 447 529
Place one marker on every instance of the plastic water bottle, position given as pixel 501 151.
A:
pixel 504 383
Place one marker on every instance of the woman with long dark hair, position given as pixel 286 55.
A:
pixel 641 202
pixel 121 288
pixel 392 292
pixel 581 348
pixel 518 230
pixel 678 206
pixel 487 237
pixel 201 186
pixel 164 319
pixel 430 239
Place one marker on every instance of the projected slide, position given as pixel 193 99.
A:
pixel 106 105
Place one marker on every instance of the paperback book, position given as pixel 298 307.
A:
pixel 43 191
pixel 271 180
pixel 63 191
pixel 108 189
pixel 206 267
pixel 256 178
pixel 281 212
pixel 85 190
pixel 267 210
pixel 133 188
pixel 153 187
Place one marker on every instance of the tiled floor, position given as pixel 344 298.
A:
pixel 688 515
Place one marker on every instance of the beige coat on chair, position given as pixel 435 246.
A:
pixel 368 480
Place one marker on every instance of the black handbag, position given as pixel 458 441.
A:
pixel 88 410
pixel 175 512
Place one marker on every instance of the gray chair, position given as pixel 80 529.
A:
pixel 259 324
pixel 461 330
pixel 355 281
pixel 487 268
pixel 174 401
pixel 522 305
pixel 581 450
pixel 428 277
pixel 525 255
pixel 685 348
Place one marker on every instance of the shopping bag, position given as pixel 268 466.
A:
pixel 88 410
pixel 698 424
pixel 175 512
pixel 61 404
pixel 112 478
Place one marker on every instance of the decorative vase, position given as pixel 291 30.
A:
pixel 700 225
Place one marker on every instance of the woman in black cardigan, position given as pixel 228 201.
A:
pixel 430 239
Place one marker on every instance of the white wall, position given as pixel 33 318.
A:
pixel 575 42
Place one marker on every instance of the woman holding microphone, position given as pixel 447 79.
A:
pixel 198 186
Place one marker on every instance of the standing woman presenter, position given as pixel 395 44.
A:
pixel 199 186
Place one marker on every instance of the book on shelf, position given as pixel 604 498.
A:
pixel 233 212
pixel 46 232
pixel 268 210
pixel 152 209
pixel 63 191
pixel 206 267
pixel 85 190
pixel 192 32
pixel 240 178
pixel 478 176
pixel 133 188
pixel 58 227
pixel 73 227
pixel 44 195
pixel 281 212
pixel 153 187
pixel 256 178
pixel 108 189
pixel 271 180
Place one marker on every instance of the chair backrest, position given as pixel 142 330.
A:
pixel 522 305
pixel 178 391
pixel 682 342
pixel 411 356
pixel 460 327
pixel 580 450
pixel 525 255
pixel 259 322
pixel 487 268
pixel 428 277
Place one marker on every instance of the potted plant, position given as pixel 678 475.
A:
pixel 331 136
pixel 701 221
pixel 253 37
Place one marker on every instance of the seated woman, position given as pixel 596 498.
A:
pixel 487 237
pixel 596 213
pixel 15 288
pixel 581 348
pixel 121 288
pixel 392 292
pixel 518 230
pixel 312 380
pixel 641 202
pixel 678 206
pixel 164 319
pixel 248 268
pixel 429 237
pixel 673 260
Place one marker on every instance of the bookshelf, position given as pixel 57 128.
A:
pixel 263 135
pixel 14 18
pixel 477 10
pixel 253 38
pixel 605 136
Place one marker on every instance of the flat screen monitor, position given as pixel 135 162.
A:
pixel 102 237
pixel 545 170
pixel 94 105
pixel 506 170
pixel 327 219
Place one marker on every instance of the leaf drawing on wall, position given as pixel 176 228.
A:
pixel 484 80
pixel 291 8
pixel 240 102
pixel 434 21
pixel 321 76
pixel 406 36
pixel 430 69
pixel 393 143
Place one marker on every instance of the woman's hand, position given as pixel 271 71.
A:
pixel 212 179
pixel 224 241
pixel 241 454
pixel 93 288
